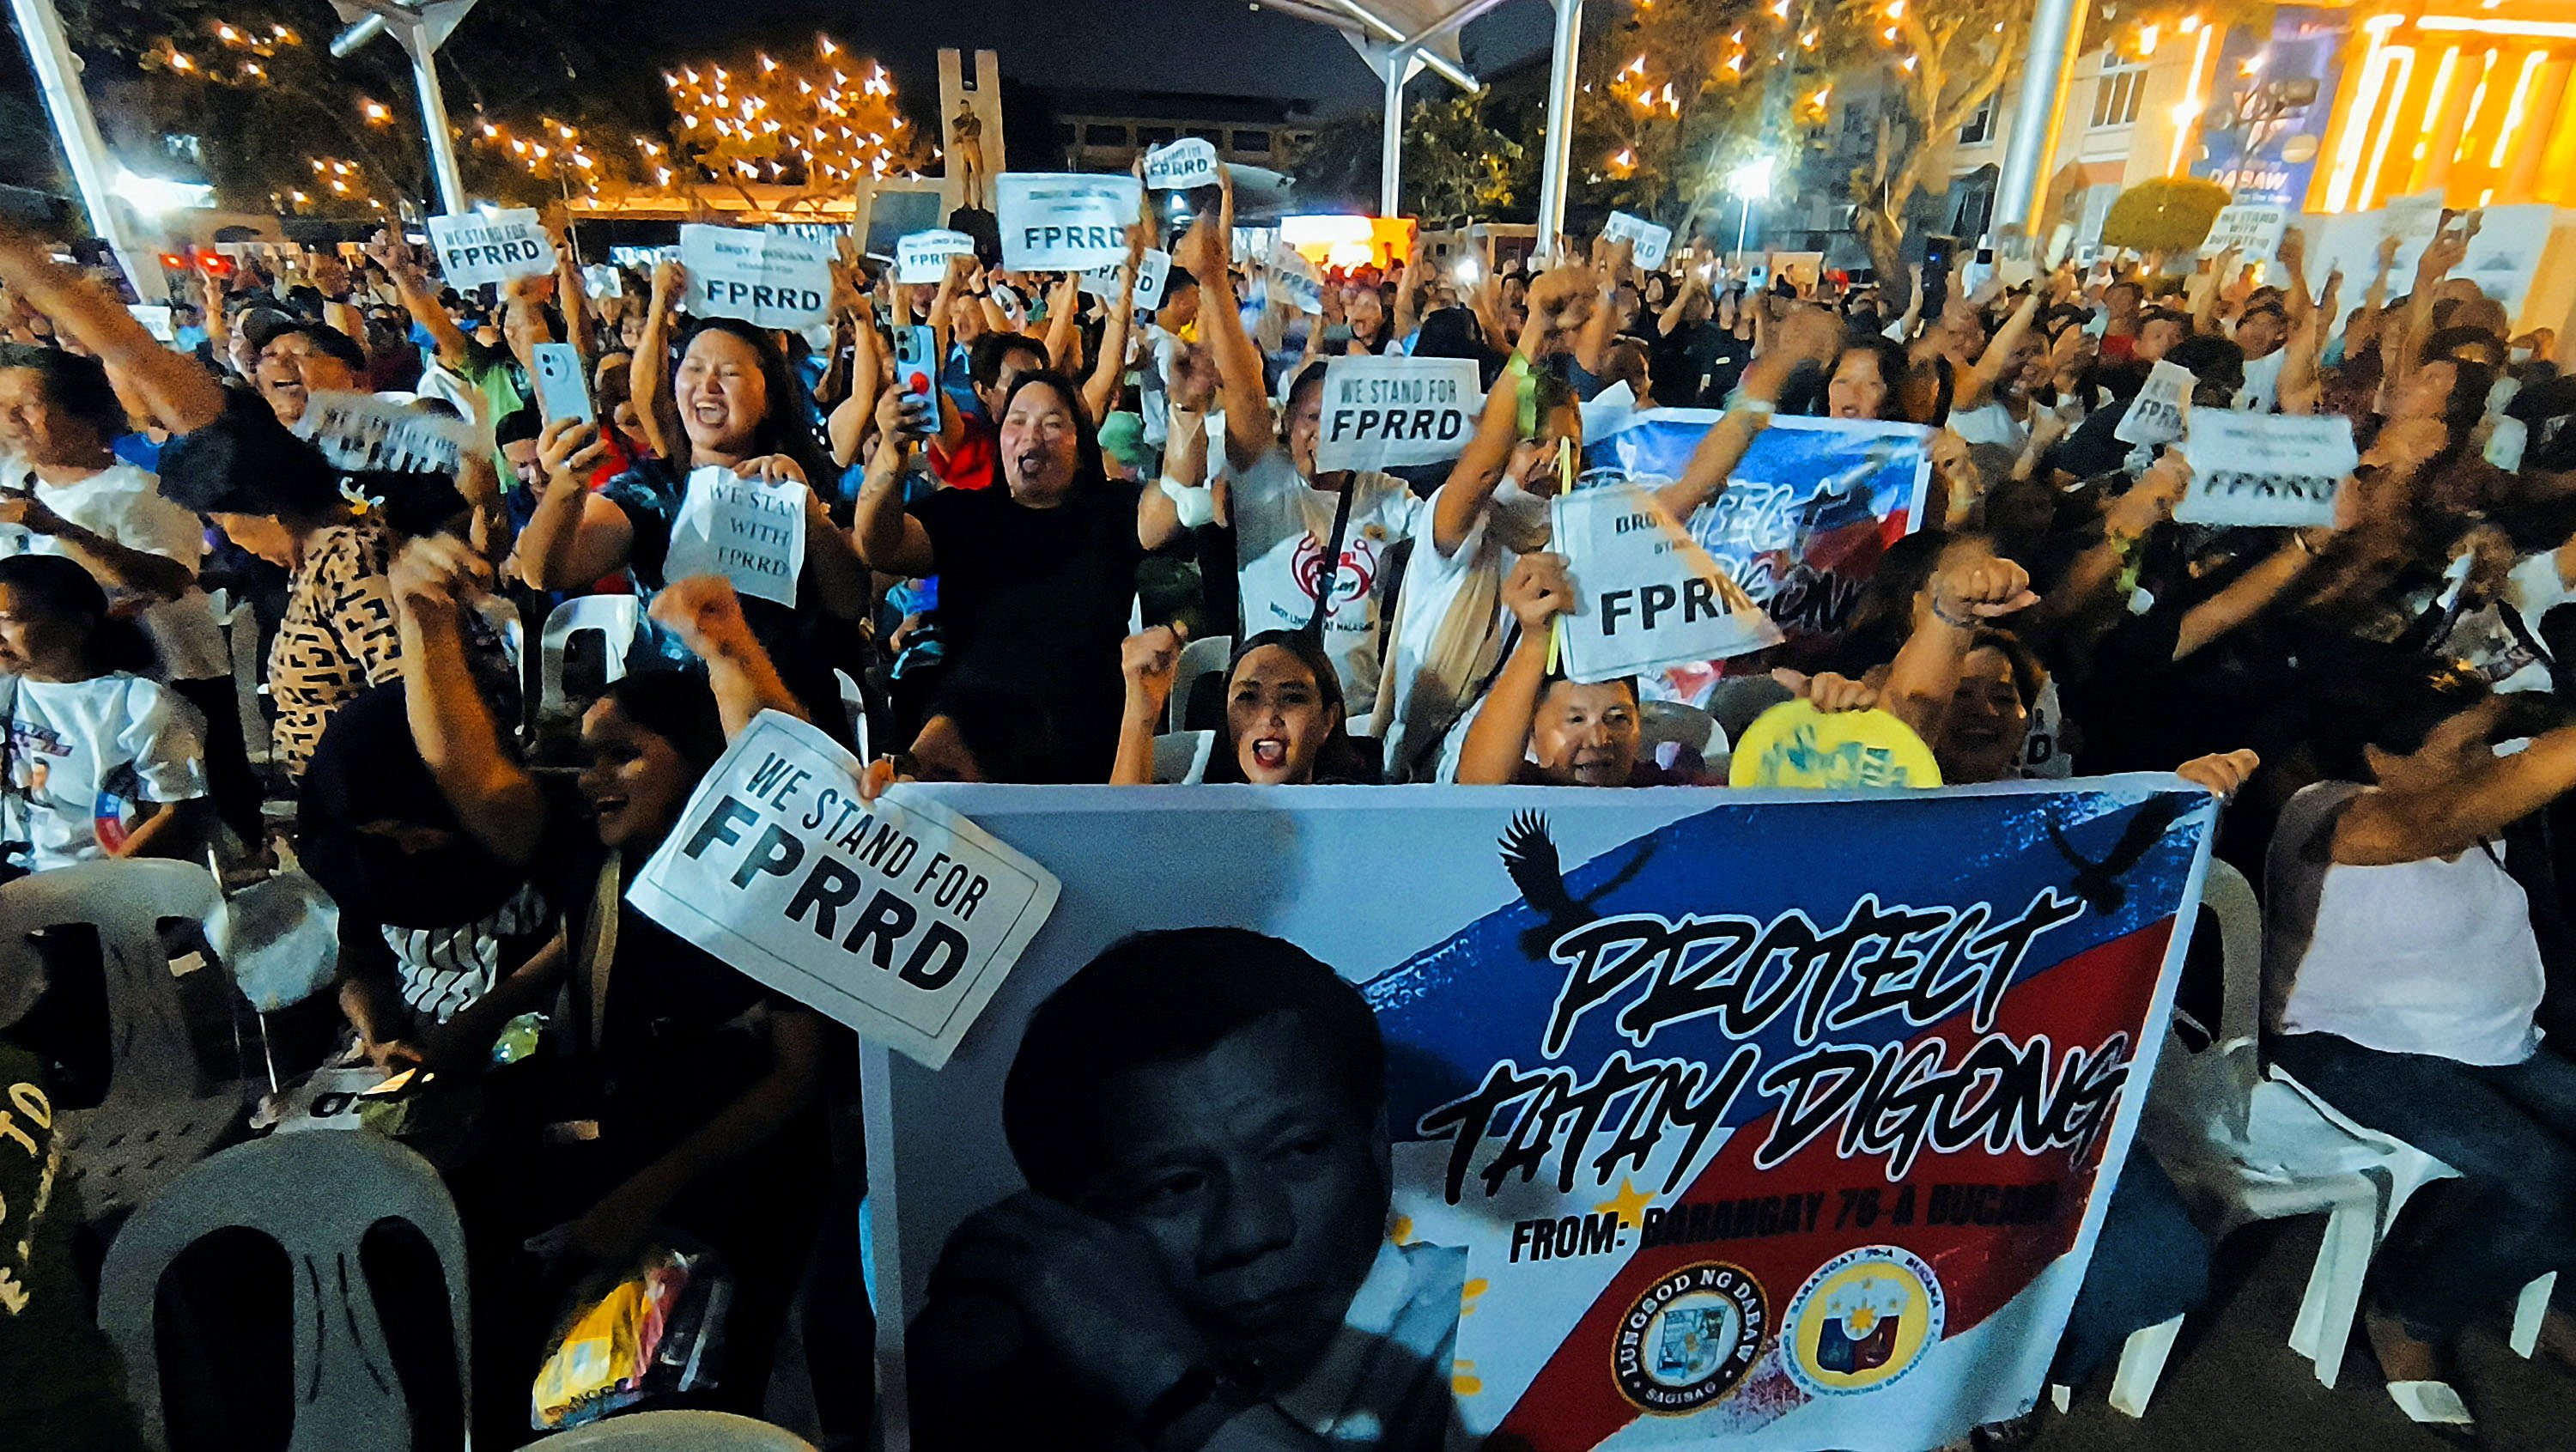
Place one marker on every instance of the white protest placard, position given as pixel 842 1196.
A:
pixel 1153 271
pixel 2504 257
pixel 2254 231
pixel 603 279
pixel 1383 413
pixel 474 249
pixel 1188 162
pixel 155 318
pixel 767 279
pixel 1062 222
pixel 1652 242
pixel 898 917
pixel 2265 469
pixel 1299 281
pixel 751 531
pixel 1646 594
pixel 2155 416
pixel 921 257
pixel 361 432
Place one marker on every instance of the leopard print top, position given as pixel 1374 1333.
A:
pixel 338 638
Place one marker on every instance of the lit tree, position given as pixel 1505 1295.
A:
pixel 1459 159
pixel 1670 100
pixel 1685 91
pixel 255 80
pixel 1949 57
pixel 817 127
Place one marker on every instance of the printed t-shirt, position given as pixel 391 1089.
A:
pixel 85 755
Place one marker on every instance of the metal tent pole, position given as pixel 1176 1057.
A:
pixel 1560 122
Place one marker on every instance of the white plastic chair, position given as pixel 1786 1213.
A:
pixel 855 704
pixel 1181 757
pixel 163 1110
pixel 617 619
pixel 348 1397
pixel 1199 658
pixel 2244 1143
pixel 250 674
pixel 676 1432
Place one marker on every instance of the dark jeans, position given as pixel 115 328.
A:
pixel 2150 1265
pixel 2510 1130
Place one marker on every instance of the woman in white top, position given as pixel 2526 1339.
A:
pixel 2403 975
pixel 100 760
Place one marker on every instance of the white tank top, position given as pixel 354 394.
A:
pixel 2433 957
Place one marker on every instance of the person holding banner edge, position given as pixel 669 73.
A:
pixel 702 1084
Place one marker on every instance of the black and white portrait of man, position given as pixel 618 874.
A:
pixel 1201 1259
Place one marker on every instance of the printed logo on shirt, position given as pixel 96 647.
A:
pixel 1690 1339
pixel 29 744
pixel 112 814
pixel 1356 577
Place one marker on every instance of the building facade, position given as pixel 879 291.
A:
pixel 2320 108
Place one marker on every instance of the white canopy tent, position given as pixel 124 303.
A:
pixel 1399 38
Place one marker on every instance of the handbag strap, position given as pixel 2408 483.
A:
pixel 1332 579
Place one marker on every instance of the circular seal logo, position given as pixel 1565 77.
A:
pixel 1863 1320
pixel 1689 1340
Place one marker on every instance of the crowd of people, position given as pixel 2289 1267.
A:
pixel 1000 576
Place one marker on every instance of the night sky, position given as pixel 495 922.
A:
pixel 1218 46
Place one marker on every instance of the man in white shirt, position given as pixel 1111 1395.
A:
pixel 2261 332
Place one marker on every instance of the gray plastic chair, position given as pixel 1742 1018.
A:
pixel 163 1110
pixel 676 1432
pixel 316 1195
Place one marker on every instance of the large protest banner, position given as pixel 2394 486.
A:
pixel 1804 517
pixel 1769 1120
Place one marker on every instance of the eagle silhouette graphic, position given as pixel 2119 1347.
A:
pixel 1530 860
pixel 2098 883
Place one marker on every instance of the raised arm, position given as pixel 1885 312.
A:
pixel 1594 341
pixel 574 536
pixel 886 537
pixel 1208 251
pixel 1924 680
pixel 410 271
pixel 706 615
pixel 1807 335
pixel 1498 739
pixel 851 417
pixel 2250 593
pixel 183 397
pixel 1979 385
pixel 648 372
pixel 571 298
pixel 1148 661
pixel 2300 365
pixel 1408 298
pixel 491 792
pixel 1558 303
pixel 1064 307
pixel 2398 824
pixel 951 427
